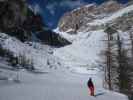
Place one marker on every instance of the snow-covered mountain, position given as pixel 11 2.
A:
pixel 63 72
pixel 52 10
pixel 50 79
pixel 89 37
pixel 79 18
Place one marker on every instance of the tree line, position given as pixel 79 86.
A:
pixel 118 61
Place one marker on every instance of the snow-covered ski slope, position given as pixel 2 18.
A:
pixel 55 85
pixel 82 57
pixel 112 17
pixel 62 83
pixel 74 65
pixel 84 51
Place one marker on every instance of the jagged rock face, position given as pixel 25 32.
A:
pixel 109 7
pixel 79 18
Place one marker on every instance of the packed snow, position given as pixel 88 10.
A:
pixel 72 67
pixel 84 50
pixel 60 84
pixel 65 35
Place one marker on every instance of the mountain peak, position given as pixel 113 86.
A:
pixel 79 17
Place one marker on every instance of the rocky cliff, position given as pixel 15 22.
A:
pixel 78 18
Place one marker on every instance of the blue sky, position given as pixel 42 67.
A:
pixel 52 10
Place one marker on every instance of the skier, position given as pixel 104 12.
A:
pixel 91 87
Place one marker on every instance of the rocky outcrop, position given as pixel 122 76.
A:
pixel 79 18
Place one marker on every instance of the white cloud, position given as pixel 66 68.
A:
pixel 51 8
pixel 35 8
pixel 70 4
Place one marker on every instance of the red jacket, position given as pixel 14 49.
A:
pixel 90 83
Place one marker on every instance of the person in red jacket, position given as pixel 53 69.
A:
pixel 91 87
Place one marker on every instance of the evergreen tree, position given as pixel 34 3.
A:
pixel 109 56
